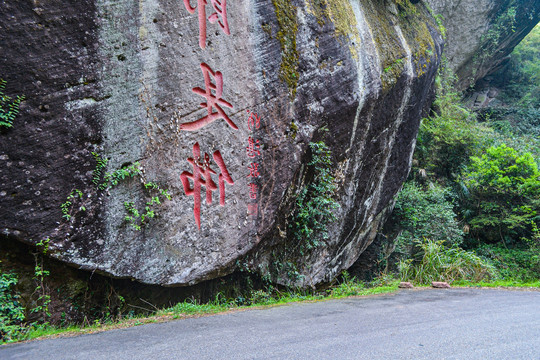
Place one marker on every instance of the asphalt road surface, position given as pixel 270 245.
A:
pixel 412 324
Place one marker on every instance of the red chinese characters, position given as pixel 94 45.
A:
pixel 254 121
pixel 219 16
pixel 253 151
pixel 202 176
pixel 253 191
pixel 213 103
pixel 253 170
pixel 253 148
pixel 253 209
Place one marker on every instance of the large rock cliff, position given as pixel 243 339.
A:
pixel 218 104
pixel 481 34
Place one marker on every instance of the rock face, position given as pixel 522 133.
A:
pixel 217 104
pixel 482 33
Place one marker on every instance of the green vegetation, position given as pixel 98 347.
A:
pixel 314 202
pixel 9 108
pixel 491 40
pixel 428 212
pixel 470 210
pixel 504 198
pixel 104 181
pixel 254 298
pixel 12 313
pixel 44 299
pixel 313 211
pixel 522 76
pixel 67 206
pixel 437 262
pixel 288 27
pixel 137 219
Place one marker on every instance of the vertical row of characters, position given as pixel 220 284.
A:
pixel 201 174
pixel 253 151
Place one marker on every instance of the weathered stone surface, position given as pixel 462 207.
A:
pixel 117 78
pixel 405 285
pixel 440 285
pixel 482 33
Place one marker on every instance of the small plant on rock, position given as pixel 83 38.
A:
pixel 9 108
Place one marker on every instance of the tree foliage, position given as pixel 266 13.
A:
pixel 505 194
pixel 426 213
pixel 450 135
pixel 523 73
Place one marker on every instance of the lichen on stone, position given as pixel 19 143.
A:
pixel 341 14
pixel 414 20
pixel 387 42
pixel 288 28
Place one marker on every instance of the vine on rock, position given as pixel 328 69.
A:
pixel 9 108
pixel 312 214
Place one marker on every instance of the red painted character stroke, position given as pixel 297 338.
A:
pixel 212 101
pixel 253 170
pixel 202 176
pixel 254 121
pixel 253 191
pixel 220 16
pixel 253 209
pixel 253 147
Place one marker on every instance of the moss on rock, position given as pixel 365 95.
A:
pixel 341 14
pixel 288 28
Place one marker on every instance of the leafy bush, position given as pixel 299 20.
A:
pixel 11 311
pixel 435 262
pixel 505 194
pixel 425 213
pixel 518 264
pixel 451 135
pixel 314 202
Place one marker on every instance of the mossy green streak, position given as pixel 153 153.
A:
pixel 288 28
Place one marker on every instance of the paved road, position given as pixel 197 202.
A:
pixel 426 324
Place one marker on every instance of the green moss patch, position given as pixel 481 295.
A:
pixel 288 28
pixel 341 14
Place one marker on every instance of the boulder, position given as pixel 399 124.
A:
pixel 482 33
pixel 169 142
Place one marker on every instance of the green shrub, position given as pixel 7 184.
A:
pixel 425 213
pixel 445 144
pixel 436 262
pixel 11 311
pixel 449 136
pixel 504 194
pixel 347 287
pixel 314 202
pixel 518 264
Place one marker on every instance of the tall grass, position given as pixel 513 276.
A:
pixel 435 262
